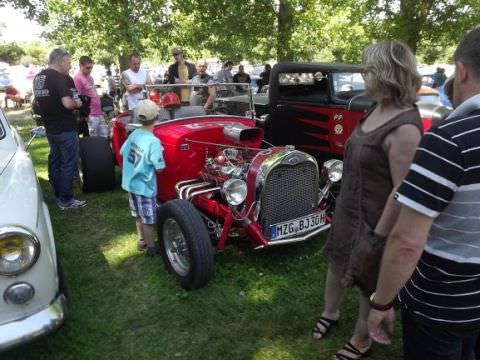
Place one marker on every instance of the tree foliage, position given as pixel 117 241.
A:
pixel 11 53
pixel 119 27
pixel 425 25
pixel 35 52
pixel 256 30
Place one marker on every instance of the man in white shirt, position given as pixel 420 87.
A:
pixel 134 79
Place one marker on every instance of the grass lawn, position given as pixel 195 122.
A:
pixel 259 305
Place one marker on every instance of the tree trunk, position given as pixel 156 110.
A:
pixel 124 61
pixel 125 31
pixel 411 20
pixel 285 30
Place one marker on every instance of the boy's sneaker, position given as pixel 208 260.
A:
pixel 74 204
pixel 141 245
pixel 153 251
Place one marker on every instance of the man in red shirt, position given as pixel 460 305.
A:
pixel 86 86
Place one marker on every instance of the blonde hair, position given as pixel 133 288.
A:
pixel 392 75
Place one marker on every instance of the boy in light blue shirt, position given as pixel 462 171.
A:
pixel 142 157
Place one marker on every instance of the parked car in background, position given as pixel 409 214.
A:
pixel 427 80
pixel 20 89
pixel 315 106
pixel 33 299
pixel 4 80
pixel 222 182
pixel 431 106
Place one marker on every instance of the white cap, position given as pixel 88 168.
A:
pixel 147 111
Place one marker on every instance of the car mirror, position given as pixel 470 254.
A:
pixel 38 131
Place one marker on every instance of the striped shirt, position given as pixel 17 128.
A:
pixel 444 183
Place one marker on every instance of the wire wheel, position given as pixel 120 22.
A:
pixel 185 243
pixel 176 247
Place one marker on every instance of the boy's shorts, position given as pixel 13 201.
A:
pixel 144 208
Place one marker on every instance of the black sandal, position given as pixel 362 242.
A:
pixel 326 323
pixel 352 350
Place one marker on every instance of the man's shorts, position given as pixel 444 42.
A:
pixel 143 207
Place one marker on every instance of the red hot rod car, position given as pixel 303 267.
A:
pixel 220 181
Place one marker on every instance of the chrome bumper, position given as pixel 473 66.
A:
pixel 35 325
pixel 296 239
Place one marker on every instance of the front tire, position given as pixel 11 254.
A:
pixel 97 169
pixel 185 244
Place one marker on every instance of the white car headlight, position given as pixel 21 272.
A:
pixel 234 191
pixel 334 169
pixel 19 250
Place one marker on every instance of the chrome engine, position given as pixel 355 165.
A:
pixel 219 173
pixel 286 183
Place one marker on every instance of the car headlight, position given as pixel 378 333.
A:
pixel 19 250
pixel 334 169
pixel 234 191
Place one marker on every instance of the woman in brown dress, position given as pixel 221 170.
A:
pixel 377 157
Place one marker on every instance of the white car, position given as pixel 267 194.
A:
pixel 32 293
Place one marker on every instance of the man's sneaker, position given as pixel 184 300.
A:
pixel 74 204
pixel 153 251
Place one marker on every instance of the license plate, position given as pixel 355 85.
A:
pixel 297 226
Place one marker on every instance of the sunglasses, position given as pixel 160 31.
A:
pixel 176 54
pixel 89 67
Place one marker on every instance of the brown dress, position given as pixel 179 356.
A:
pixel 353 252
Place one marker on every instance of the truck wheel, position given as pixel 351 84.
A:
pixel 185 244
pixel 96 166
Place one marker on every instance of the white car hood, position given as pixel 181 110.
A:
pixel 19 191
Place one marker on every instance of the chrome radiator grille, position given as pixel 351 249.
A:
pixel 289 192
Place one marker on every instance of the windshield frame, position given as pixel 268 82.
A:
pixel 218 86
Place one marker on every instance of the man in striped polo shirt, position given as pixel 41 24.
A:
pixel 432 255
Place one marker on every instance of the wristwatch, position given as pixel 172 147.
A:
pixel 380 307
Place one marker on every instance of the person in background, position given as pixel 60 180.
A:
pixel 225 74
pixel 86 86
pixel 109 84
pixel 57 99
pixel 118 81
pixel 439 78
pixel 165 77
pixel 204 95
pixel 264 77
pixel 181 72
pixel 377 157
pixel 432 256
pixel 142 157
pixel 241 77
pixel 134 79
